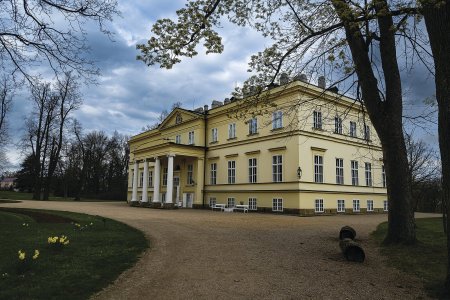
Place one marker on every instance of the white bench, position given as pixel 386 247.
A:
pixel 242 207
pixel 218 206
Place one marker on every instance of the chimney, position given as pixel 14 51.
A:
pixel 200 109
pixel 284 78
pixel 205 108
pixel 226 101
pixel 301 77
pixel 321 82
pixel 215 104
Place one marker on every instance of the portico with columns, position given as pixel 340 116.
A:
pixel 170 178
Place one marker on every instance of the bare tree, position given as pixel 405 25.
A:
pixel 6 94
pixel 37 32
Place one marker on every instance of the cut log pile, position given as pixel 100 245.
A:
pixel 351 249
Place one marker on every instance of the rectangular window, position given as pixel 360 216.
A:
pixel 339 171
pixel 352 129
pixel 317 121
pixel 383 176
pixel 337 125
pixel 253 126
pixel 252 204
pixel 190 174
pixel 231 201
pixel 213 179
pixel 191 138
pixel 355 177
pixel 164 183
pixel 277 119
pixel 277 168
pixel 366 132
pixel 318 208
pixel 214 135
pixel 356 207
pixel 277 204
pixel 232 130
pixel 141 179
pixel 341 206
pixel 318 168
pixel 369 205
pixel 385 205
pixel 212 201
pixel 252 168
pixel 231 171
pixel 150 179
pixel 178 139
pixel 368 168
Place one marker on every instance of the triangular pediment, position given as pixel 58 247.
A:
pixel 178 116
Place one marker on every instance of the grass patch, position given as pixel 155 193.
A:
pixel 93 259
pixel 29 196
pixel 427 259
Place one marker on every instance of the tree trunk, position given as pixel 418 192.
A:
pixel 385 114
pixel 437 20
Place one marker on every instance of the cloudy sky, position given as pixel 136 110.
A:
pixel 131 95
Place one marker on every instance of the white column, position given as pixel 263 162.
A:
pixel 156 180
pixel 135 181
pixel 169 193
pixel 145 182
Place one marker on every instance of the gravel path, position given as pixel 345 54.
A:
pixel 199 254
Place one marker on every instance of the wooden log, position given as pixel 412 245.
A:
pixel 352 250
pixel 347 232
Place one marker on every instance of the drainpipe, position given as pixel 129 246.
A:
pixel 204 155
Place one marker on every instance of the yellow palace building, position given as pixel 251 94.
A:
pixel 296 148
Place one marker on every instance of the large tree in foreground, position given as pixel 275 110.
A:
pixel 353 41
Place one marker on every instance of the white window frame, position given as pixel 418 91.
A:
pixel 277 168
pixel 231 202
pixel 150 178
pixel 356 205
pixel 368 173
pixel 318 206
pixel 253 126
pixel 252 170
pixel 277 119
pixel 252 203
pixel 341 205
pixel 190 174
pixel 318 168
pixel 141 179
pixel 366 132
pixel 317 119
pixel 339 171
pixel 337 125
pixel 191 139
pixel 164 177
pixel 213 174
pixel 214 135
pixel 231 171
pixel 277 204
pixel 352 129
pixel 355 173
pixel 385 205
pixel 178 139
pixel 383 176
pixel 231 130
pixel 212 201
pixel 369 205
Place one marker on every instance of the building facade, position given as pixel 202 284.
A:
pixel 296 149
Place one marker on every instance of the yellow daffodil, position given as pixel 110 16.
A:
pixel 21 255
pixel 36 254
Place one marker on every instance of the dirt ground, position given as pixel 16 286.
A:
pixel 200 254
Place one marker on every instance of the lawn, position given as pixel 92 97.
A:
pixel 29 196
pixel 98 251
pixel 427 259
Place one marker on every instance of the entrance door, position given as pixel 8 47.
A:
pixel 188 199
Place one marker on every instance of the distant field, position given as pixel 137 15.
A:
pixel 29 196
pixel 98 251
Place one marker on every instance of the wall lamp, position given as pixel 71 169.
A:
pixel 299 172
